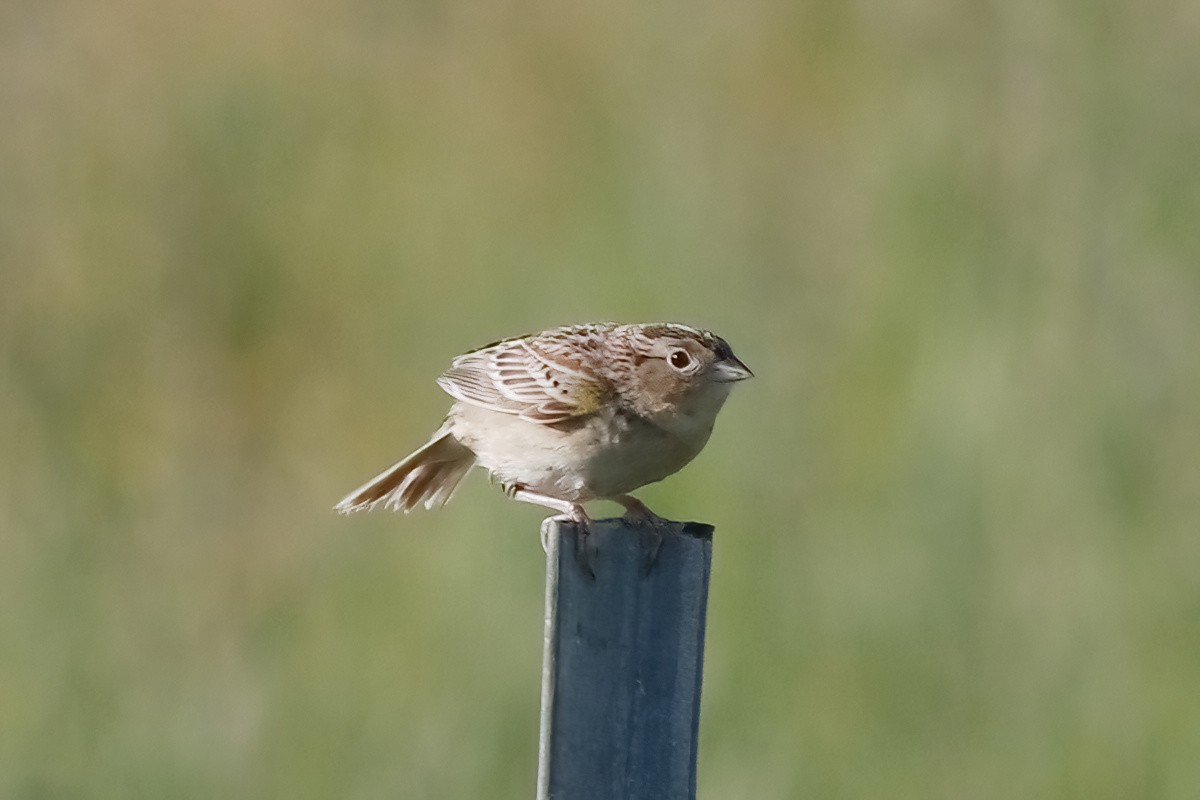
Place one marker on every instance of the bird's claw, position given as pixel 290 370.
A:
pixel 651 527
pixel 583 546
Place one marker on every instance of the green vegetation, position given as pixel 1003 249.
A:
pixel 957 513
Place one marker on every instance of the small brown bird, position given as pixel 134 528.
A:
pixel 569 415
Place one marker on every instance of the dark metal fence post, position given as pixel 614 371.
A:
pixel 621 672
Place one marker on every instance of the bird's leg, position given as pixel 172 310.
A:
pixel 652 524
pixel 636 510
pixel 572 512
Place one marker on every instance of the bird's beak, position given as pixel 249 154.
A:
pixel 730 369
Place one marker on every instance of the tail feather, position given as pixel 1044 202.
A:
pixel 427 476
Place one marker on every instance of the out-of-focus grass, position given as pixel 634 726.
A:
pixel 957 511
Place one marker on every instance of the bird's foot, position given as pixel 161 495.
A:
pixel 584 548
pixel 651 526
pixel 571 512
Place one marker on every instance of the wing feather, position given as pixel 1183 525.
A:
pixel 541 379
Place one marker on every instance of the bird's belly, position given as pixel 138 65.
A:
pixel 599 457
pixel 624 460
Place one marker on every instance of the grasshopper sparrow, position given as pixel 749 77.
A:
pixel 565 416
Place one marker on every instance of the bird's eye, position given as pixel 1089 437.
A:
pixel 680 359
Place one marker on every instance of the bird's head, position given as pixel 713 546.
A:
pixel 679 369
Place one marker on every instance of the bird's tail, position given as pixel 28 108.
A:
pixel 428 476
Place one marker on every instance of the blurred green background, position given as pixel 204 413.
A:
pixel 957 513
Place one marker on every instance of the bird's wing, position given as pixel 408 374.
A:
pixel 543 378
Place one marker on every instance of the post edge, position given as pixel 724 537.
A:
pixel 552 539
